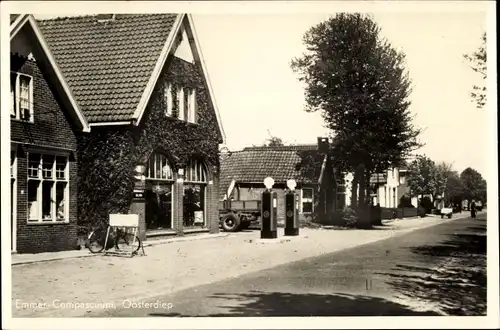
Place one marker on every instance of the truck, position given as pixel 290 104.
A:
pixel 238 215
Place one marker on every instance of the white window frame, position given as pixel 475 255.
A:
pixel 53 194
pixel 306 200
pixel 191 105
pixel 196 173
pixel 16 107
pixel 153 161
pixel 180 98
pixel 165 179
pixel 168 95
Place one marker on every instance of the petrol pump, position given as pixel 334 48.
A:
pixel 269 211
pixel 291 210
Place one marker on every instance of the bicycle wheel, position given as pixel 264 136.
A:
pixel 96 240
pixel 128 242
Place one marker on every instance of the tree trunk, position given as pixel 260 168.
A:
pixel 363 210
pixel 354 192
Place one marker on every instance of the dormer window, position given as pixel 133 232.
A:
pixel 21 92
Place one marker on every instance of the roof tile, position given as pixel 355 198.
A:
pixel 108 64
pixel 254 164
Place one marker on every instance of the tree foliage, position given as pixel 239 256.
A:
pixel 274 141
pixel 359 84
pixel 442 172
pixel 474 186
pixel 422 176
pixel 478 63
pixel 454 190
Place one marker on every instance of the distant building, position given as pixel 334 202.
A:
pixel 320 191
pixel 389 187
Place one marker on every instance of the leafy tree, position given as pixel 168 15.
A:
pixel 359 84
pixel 477 62
pixel 422 176
pixel 274 141
pixel 441 174
pixel 454 190
pixel 474 185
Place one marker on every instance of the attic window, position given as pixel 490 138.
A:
pixel 102 18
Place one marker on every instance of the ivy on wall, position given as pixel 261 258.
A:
pixel 108 156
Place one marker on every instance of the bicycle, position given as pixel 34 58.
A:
pixel 120 239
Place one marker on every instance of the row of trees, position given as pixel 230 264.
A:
pixel 427 177
pixel 358 82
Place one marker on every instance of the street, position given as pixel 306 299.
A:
pixel 439 270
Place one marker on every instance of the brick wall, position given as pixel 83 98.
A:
pixel 51 128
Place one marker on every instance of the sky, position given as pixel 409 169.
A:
pixel 258 95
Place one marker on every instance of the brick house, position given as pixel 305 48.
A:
pixel 139 79
pixel 243 172
pixel 45 120
pixel 143 75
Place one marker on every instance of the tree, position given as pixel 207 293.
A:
pixel 441 174
pixel 422 176
pixel 274 142
pixel 474 185
pixel 477 62
pixel 454 190
pixel 359 84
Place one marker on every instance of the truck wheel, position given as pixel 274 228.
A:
pixel 442 216
pixel 449 216
pixel 230 223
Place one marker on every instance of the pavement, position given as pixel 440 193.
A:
pixel 429 272
pixel 86 286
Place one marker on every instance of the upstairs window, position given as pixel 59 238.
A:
pixel 169 104
pixel 21 93
pixel 191 105
pixel 181 103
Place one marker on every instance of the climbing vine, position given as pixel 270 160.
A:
pixel 108 156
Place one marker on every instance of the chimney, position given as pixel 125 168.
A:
pixel 323 145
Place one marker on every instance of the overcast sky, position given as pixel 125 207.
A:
pixel 248 57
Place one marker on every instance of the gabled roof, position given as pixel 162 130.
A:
pixel 112 66
pixel 18 22
pixel 302 163
pixel 108 64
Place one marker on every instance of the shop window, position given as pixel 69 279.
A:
pixel 159 168
pixel 194 200
pixel 159 197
